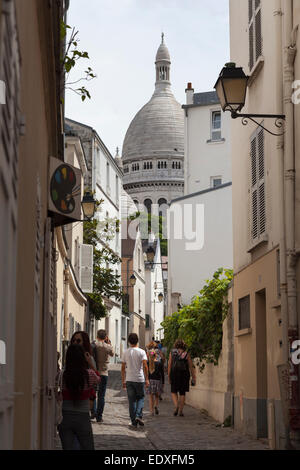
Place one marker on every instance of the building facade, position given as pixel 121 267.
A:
pixel 206 143
pixel 30 132
pixel 134 306
pixel 71 301
pixel 153 151
pixel 265 42
pixel 104 177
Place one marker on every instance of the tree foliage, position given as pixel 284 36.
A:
pixel 106 282
pixel 200 324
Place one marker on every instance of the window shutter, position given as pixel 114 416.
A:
pixel 258 37
pixel 258 185
pixel 255 31
pixel 86 268
pixel 261 176
pixel 251 47
pixel 250 9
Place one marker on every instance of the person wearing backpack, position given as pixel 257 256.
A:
pixel 180 369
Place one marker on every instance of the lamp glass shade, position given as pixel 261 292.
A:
pixel 132 280
pixel 235 92
pixel 231 88
pixel 150 254
pixel 88 204
pixel 160 297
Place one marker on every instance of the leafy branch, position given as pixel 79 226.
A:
pixel 69 60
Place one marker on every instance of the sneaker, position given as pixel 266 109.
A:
pixel 140 421
pixel 156 410
pixel 100 420
pixel 132 425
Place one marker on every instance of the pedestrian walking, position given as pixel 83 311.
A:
pixel 134 379
pixel 154 345
pixel 156 380
pixel 180 368
pixel 104 349
pixel 78 378
pixel 83 339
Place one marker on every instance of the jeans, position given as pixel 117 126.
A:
pixel 101 396
pixel 76 425
pixel 136 398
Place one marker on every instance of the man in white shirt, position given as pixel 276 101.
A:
pixel 134 377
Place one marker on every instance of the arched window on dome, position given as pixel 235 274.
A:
pixel 158 165
pixel 145 165
pixel 162 207
pixel 150 165
pixel 148 204
pixel 165 165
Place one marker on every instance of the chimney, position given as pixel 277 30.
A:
pixel 189 94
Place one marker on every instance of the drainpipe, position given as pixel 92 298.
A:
pixel 281 213
pixel 289 53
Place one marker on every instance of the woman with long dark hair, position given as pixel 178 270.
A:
pixel 180 368
pixel 77 381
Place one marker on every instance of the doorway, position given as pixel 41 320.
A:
pixel 261 363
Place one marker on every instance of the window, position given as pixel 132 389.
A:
pixel 117 189
pixel 126 169
pixel 244 313
pixel 147 165
pixel 216 181
pixel 147 321
pixel 255 36
pixel 216 125
pixel 148 204
pixel 107 175
pixel 258 209
pixel 135 167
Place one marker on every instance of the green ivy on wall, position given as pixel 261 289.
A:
pixel 200 324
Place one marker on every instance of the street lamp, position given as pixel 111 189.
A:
pixel 88 204
pixel 132 280
pixel 150 253
pixel 231 88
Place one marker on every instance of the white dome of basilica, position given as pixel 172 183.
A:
pixel 153 148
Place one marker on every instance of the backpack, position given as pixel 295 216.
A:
pixel 179 364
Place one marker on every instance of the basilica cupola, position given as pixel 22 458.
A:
pixel 162 63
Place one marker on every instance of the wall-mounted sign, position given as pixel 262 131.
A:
pixel 65 191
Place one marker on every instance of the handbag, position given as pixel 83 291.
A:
pixel 59 400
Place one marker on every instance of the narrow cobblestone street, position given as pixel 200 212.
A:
pixel 194 431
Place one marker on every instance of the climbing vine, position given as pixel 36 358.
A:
pixel 200 324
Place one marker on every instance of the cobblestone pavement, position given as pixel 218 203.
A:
pixel 194 431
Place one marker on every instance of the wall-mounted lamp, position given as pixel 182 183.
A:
pixel 231 88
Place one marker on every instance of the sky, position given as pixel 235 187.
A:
pixel 122 38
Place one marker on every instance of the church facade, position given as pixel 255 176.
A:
pixel 153 148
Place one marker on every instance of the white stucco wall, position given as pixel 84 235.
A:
pixel 189 269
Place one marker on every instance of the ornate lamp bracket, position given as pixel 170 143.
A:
pixel 279 120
